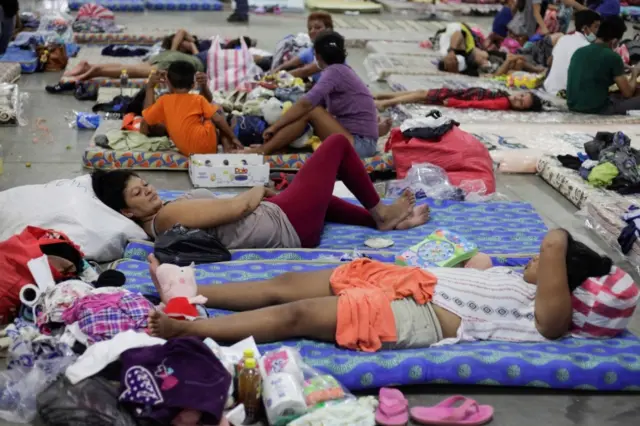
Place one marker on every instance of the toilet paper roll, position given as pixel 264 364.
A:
pixel 282 396
pixel 283 360
pixel 29 295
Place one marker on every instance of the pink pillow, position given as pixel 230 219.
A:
pixel 602 307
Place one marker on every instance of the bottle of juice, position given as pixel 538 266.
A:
pixel 250 391
pixel 246 354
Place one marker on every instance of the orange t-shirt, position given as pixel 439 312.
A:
pixel 187 118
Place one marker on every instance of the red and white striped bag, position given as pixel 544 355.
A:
pixel 602 307
pixel 95 11
pixel 230 70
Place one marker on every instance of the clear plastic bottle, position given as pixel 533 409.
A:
pixel 124 81
pixel 1 160
pixel 250 391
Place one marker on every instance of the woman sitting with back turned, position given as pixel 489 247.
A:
pixel 339 103
pixel 368 305
pixel 258 218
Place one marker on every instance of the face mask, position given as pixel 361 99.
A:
pixel 590 38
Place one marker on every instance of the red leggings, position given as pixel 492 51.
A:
pixel 308 201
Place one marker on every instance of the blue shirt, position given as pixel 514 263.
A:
pixel 607 7
pixel 501 20
pixel 307 57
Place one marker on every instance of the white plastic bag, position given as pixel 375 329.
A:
pixel 59 22
pixel 426 180
pixel 69 206
pixel 228 69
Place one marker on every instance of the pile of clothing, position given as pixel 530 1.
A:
pixel 93 18
pixel 610 162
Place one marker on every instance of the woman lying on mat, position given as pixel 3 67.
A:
pixel 368 305
pixel 350 110
pixel 260 219
pixel 473 97
pixel 304 65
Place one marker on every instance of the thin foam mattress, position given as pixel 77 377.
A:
pixel 612 365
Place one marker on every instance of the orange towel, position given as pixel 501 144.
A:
pixel 366 289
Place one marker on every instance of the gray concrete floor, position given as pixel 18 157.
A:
pixel 28 162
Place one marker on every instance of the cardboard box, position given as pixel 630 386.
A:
pixel 228 170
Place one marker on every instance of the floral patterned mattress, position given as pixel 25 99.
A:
pixel 98 158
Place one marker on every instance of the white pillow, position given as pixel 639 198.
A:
pixel 69 206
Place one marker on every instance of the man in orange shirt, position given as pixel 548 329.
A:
pixel 191 120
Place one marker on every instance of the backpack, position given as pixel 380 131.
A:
pixel 182 246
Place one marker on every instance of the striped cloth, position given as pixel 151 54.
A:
pixel 95 11
pixel 603 307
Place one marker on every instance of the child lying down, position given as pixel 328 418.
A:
pixel 368 305
pixel 473 97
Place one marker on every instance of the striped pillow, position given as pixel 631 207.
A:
pixel 602 307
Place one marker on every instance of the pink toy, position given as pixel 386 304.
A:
pixel 178 291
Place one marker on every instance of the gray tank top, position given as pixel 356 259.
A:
pixel 266 227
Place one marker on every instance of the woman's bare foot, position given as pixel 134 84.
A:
pixel 81 68
pixel 162 326
pixel 419 216
pixel 384 126
pixel 388 216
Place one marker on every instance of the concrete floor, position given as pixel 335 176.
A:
pixel 61 159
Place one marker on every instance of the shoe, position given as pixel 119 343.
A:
pixel 61 87
pixel 456 410
pixel 236 18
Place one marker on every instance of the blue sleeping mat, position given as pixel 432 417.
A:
pixel 113 5
pixel 611 365
pixel 503 228
pixel 211 5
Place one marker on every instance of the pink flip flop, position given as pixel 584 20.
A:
pixel 450 413
pixel 393 408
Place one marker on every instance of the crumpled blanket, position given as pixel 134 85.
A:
pixel 124 140
pixel 96 25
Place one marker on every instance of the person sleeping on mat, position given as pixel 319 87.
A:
pixel 473 97
pixel 368 305
pixel 259 218
pixel 339 103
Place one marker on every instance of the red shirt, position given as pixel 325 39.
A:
pixel 498 104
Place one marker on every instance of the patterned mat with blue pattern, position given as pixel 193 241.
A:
pixel 566 364
pixel 498 228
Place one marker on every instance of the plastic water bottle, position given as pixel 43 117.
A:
pixel 250 390
pixel 124 80
pixel 1 160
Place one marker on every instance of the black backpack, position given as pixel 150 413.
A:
pixel 182 246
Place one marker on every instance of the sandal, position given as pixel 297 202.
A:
pixel 449 413
pixel 61 87
pixel 393 408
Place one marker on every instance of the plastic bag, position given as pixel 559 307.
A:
pixel 93 401
pixel 291 388
pixel 182 246
pixel 12 105
pixel 426 181
pixel 34 363
pixel 517 160
pixel 61 23
pixel 83 120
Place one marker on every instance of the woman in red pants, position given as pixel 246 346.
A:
pixel 259 218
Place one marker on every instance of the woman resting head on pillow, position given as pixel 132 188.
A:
pixel 259 218
pixel 429 305
pixel 473 97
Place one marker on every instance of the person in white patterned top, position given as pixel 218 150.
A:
pixel 369 305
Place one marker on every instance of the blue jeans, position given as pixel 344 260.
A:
pixel 242 7
pixel 365 146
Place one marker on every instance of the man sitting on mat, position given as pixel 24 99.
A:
pixel 594 68
pixel 368 305
pixel 473 97
pixel 191 120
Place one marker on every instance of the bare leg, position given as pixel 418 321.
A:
pixel 81 68
pixel 285 288
pixel 324 125
pixel 417 97
pixel 311 318
pixel 141 70
pixel 391 95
